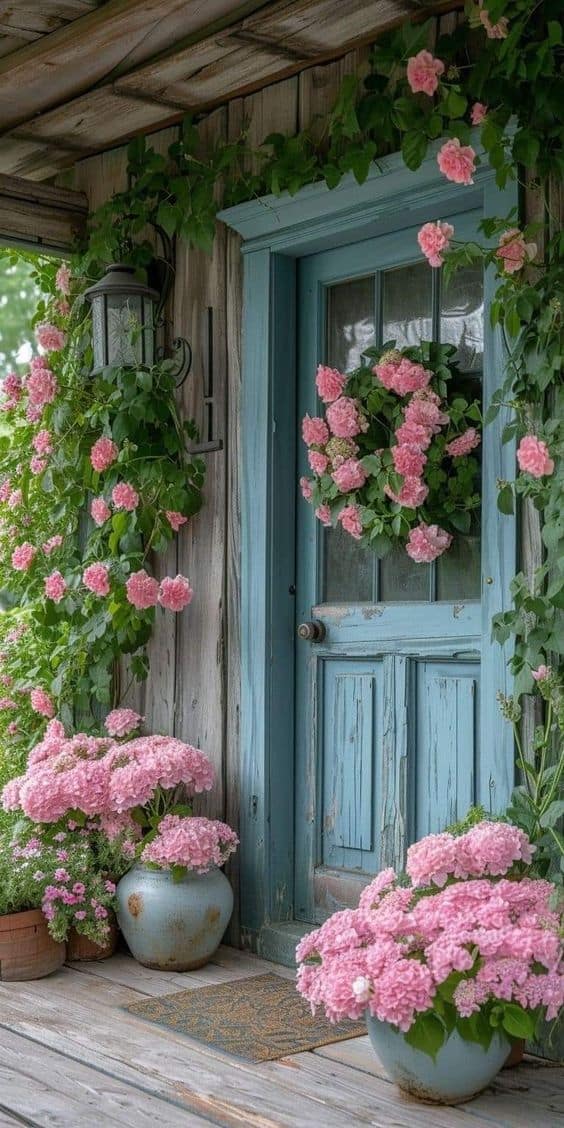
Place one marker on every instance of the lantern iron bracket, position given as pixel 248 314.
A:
pixel 161 276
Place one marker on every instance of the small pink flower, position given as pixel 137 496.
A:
pixel 110 887
pixel 323 514
pixel 99 511
pixel 97 579
pixel 13 728
pixel 41 386
pixel 330 383
pixel 457 162
pixel 125 497
pixel 350 520
pixel 314 431
pixel 50 338
pixel 318 462
pixel 542 673
pixel 37 464
pixel 62 279
pixel 12 389
pixel 22 557
pixel 42 703
pixel 434 238
pixel 513 251
pixel 409 460
pixel 350 475
pixel 464 443
pixel 51 544
pixel 103 453
pixel 142 590
pixel 498 30
pixel 478 113
pixel 426 542
pixel 80 914
pixel 175 594
pixel 175 520
pixel 423 73
pixel 55 586
pixel 344 418
pixel 533 457
pixel 306 486
pixel 120 722
pixel 15 499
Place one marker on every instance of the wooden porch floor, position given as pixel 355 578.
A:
pixel 70 1055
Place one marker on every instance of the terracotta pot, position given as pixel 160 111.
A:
pixel 516 1055
pixel 81 948
pixel 27 951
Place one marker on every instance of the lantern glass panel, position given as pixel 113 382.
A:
pixel 99 343
pixel 125 321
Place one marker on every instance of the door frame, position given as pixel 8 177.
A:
pixel 276 231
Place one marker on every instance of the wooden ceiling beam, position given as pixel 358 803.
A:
pixel 39 215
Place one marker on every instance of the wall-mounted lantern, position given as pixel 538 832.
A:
pixel 123 320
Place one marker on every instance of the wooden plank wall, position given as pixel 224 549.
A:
pixel 193 685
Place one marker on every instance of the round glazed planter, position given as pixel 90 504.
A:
pixel 459 1072
pixel 27 951
pixel 173 925
pixel 79 947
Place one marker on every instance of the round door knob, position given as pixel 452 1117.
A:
pixel 312 632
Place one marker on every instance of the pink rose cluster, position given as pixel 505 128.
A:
pixel 12 389
pixel 400 375
pixel 144 591
pixel 194 843
pixel 101 777
pixel 391 954
pixel 41 386
pixel 434 239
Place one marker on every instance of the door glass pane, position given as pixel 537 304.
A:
pixel 462 317
pixel 349 569
pixel 350 322
pixel 402 579
pixel 408 305
pixel 458 571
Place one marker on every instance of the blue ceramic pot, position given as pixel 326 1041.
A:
pixel 173 925
pixel 459 1072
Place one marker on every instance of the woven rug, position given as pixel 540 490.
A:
pixel 257 1019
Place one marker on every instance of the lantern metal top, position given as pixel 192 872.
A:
pixel 120 279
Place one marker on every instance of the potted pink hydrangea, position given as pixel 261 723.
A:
pixel 450 963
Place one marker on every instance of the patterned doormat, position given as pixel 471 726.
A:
pixel 258 1019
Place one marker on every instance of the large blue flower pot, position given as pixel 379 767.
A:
pixel 459 1072
pixel 173 925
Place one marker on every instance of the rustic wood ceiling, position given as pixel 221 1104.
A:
pixel 81 76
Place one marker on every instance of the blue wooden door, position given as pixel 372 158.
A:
pixel 388 703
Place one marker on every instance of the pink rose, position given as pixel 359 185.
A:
pixel 434 238
pixel 125 497
pixel 103 453
pixel 344 418
pixel 533 457
pixel 97 579
pixel 330 383
pixel 55 586
pixel 426 542
pixel 412 493
pixel 478 113
pixel 424 409
pixel 42 387
pixel 318 462
pixel 423 73
pixel 306 486
pixel 22 557
pixel 457 162
pixel 464 443
pixel 12 389
pixel 323 514
pixel 175 594
pixel 542 673
pixel 99 511
pixel 62 279
pixel 50 545
pixel 414 433
pixel 409 460
pixel 350 475
pixel 314 431
pixel 50 338
pixel 513 251
pixel 42 442
pixel 350 520
pixel 175 520
pixel 142 590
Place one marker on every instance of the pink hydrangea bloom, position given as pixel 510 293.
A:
pixel 196 843
pixel 323 514
pixel 12 389
pixel 42 703
pixel 37 464
pixel 414 433
pixel 464 443
pixel 100 511
pixel 541 673
pixel 96 578
pixel 426 542
pixel 478 113
pixel 314 430
pixel 41 387
pixel 103 453
pixel 120 722
pixel 175 520
pixel 350 475
pixel 350 520
pixel 175 594
pixel 63 278
pixel 330 383
pixel 306 486
pixel 22 557
pixel 50 338
pixel 497 30
pixel 125 497
pixel 318 461
pixel 513 252
pixel 409 460
pixel 412 493
pixel 55 586
pixel 344 418
pixel 533 457
pixel 5 489
pixel 457 162
pixel 142 590
pixel 402 376
pixel 424 409
pixel 434 238
pixel 51 544
pixel 423 72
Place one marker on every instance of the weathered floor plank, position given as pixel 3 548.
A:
pixel 71 1055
